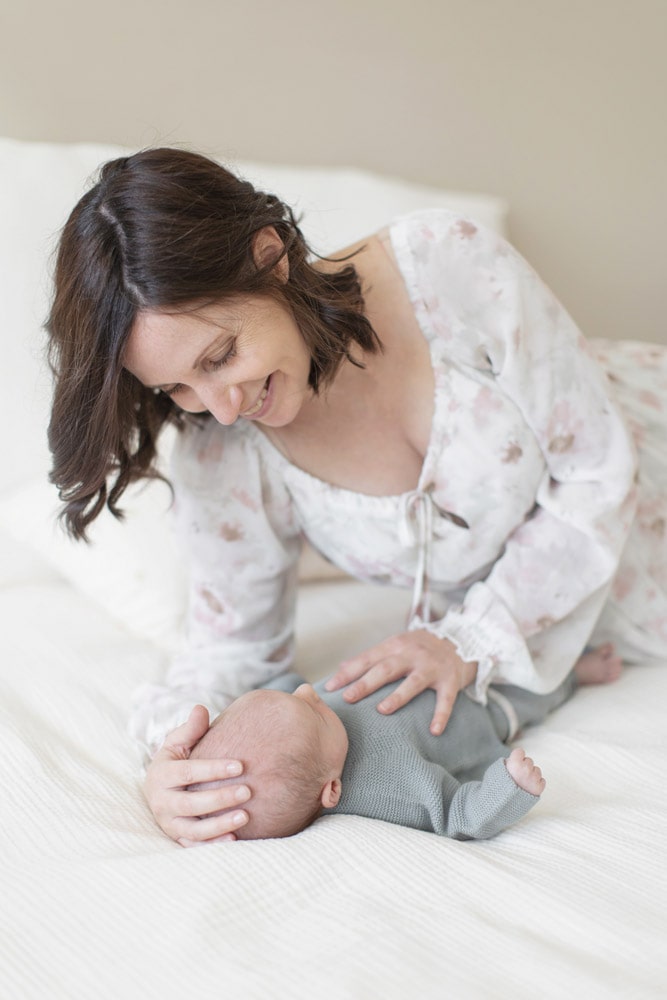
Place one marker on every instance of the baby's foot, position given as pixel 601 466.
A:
pixel 524 772
pixel 599 666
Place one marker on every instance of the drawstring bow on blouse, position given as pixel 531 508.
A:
pixel 415 529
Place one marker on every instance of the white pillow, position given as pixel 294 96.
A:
pixel 342 205
pixel 133 569
pixel 39 184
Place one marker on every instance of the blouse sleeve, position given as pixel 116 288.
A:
pixel 241 543
pixel 529 620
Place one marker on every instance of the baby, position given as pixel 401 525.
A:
pixel 307 752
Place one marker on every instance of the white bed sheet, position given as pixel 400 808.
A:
pixel 97 903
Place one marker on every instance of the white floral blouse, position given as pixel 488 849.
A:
pixel 511 539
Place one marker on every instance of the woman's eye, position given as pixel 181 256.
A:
pixel 173 390
pixel 224 360
pixel 212 365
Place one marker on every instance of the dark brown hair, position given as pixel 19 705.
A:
pixel 164 229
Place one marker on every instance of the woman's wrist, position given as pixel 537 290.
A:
pixel 466 669
pixel 468 673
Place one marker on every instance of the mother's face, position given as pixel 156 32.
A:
pixel 242 357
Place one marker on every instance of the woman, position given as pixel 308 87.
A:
pixel 419 406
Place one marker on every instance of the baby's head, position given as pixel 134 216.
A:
pixel 293 748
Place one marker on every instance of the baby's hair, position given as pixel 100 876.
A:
pixel 284 775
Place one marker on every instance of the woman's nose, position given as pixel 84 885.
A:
pixel 224 404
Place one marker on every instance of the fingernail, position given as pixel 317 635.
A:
pixel 234 769
pixel 242 793
pixel 239 818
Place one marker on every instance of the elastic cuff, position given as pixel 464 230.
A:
pixel 469 648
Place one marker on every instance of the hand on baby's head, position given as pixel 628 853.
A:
pixel 282 767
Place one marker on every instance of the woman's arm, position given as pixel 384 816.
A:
pixel 242 547
pixel 528 621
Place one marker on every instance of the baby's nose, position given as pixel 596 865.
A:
pixel 307 692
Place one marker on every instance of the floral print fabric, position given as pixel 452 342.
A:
pixel 527 533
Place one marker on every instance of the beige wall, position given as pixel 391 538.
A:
pixel 558 105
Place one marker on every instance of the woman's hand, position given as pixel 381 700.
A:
pixel 422 658
pixel 185 815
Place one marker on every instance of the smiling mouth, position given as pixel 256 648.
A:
pixel 259 402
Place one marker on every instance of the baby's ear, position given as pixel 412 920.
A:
pixel 331 793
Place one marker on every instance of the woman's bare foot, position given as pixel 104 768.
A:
pixel 524 772
pixel 599 666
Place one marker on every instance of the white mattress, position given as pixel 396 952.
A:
pixel 97 903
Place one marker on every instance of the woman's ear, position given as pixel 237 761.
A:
pixel 331 793
pixel 267 247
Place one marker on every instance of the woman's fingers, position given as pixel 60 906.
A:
pixel 206 801
pixel 182 739
pixel 194 771
pixel 210 810
pixel 384 672
pixel 372 669
pixel 444 703
pixel 207 829
pixel 180 811
pixel 412 685
pixel 422 659
pixel 350 670
pixel 227 837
